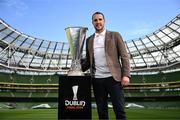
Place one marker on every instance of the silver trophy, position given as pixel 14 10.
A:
pixel 76 37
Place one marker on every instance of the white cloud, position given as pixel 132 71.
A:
pixel 19 7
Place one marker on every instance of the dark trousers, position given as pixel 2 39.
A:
pixel 104 86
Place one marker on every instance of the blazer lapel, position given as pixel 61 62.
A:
pixel 91 43
pixel 90 48
pixel 107 39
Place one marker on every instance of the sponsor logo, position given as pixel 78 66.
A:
pixel 75 103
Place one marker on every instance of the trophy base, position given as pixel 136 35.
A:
pixel 68 108
pixel 75 73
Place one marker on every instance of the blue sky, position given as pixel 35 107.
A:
pixel 47 19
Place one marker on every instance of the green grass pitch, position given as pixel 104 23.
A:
pixel 51 114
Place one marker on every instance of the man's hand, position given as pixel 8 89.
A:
pixel 125 81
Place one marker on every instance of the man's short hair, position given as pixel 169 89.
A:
pixel 98 13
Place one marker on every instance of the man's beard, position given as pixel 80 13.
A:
pixel 99 30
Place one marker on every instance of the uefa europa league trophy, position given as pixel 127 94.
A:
pixel 76 37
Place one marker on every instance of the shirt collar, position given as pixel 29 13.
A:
pixel 101 34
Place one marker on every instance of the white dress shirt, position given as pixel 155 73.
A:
pixel 102 69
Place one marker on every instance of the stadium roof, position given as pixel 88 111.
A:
pixel 159 50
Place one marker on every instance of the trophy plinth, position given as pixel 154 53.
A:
pixel 76 37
